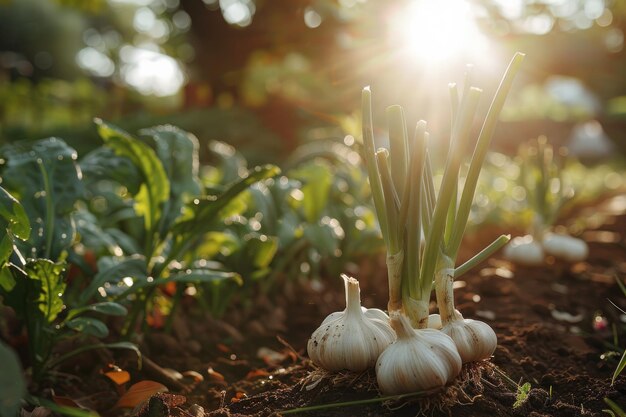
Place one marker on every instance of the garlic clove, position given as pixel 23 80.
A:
pixel 418 360
pixel 524 250
pixel 351 339
pixel 434 322
pixel 475 340
pixel 565 247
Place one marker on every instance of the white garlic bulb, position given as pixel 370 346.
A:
pixel 524 250
pixel 474 340
pixel 351 339
pixel 565 247
pixel 418 360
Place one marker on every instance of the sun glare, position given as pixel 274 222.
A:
pixel 436 30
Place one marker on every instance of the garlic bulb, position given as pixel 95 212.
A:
pixel 565 247
pixel 418 360
pixel 474 340
pixel 351 339
pixel 524 250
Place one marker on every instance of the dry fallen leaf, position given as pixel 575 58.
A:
pixel 238 396
pixel 214 375
pixel 257 373
pixel 197 377
pixel 119 377
pixel 272 357
pixel 139 393
pixel 69 402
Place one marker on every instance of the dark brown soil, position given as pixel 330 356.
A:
pixel 555 327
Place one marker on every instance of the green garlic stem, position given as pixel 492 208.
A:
pixel 444 290
pixel 417 311
pixel 394 272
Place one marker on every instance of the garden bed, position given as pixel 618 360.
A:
pixel 554 327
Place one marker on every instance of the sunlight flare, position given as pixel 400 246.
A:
pixel 437 30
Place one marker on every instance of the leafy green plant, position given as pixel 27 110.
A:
pixel 30 283
pixel 153 215
pixel 307 224
pixel 522 394
pixel 616 410
pixel 541 176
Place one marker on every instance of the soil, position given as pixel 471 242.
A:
pixel 556 329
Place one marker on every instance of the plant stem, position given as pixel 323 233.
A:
pixel 350 403
pixel 398 148
pixel 444 289
pixel 480 151
pixel 370 159
pixel 391 202
pixel 49 209
pixel 459 136
pixel 395 252
pixel 414 223
pixel 394 273
pixel 482 255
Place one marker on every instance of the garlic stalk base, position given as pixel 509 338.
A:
pixel 394 271
pixel 474 340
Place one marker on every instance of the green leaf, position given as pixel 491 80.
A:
pixel 616 410
pixel 155 188
pixel 317 179
pixel 44 176
pixel 103 164
pixel 522 394
pixel 260 249
pixel 88 325
pixel 108 308
pixel 322 237
pixel 49 283
pixel 178 152
pixel 198 276
pixel 620 367
pixel 92 235
pixel 232 162
pixel 203 214
pixel 13 212
pixel 112 270
pixel 195 276
pixel 263 203
pixel 12 382
pixel 7 282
